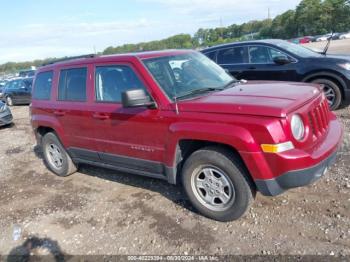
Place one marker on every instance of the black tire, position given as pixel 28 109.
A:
pixel 9 101
pixel 65 166
pixel 224 161
pixel 329 84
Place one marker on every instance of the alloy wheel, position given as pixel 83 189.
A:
pixel 54 156
pixel 213 188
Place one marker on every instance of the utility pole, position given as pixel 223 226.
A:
pixel 268 13
pixel 221 28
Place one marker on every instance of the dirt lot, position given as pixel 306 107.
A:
pixel 99 211
pixel 336 46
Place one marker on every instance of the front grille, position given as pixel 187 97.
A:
pixel 319 118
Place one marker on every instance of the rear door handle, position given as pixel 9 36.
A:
pixel 100 116
pixel 59 113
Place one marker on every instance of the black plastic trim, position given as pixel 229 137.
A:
pixel 123 163
pixel 295 178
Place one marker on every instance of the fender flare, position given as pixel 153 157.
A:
pixel 236 137
pixel 49 122
pixel 321 74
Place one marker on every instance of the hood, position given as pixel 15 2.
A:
pixel 258 98
pixel 333 58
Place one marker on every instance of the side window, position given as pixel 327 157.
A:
pixel 276 53
pixel 233 55
pixel 14 84
pixel 43 85
pixel 212 55
pixel 72 85
pixel 112 81
pixel 259 55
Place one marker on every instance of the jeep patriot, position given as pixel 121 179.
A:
pixel 178 116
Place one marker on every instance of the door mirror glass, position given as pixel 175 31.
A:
pixel 281 60
pixel 136 98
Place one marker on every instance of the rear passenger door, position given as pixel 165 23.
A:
pixel 73 111
pixel 132 138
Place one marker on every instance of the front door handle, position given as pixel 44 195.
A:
pixel 252 68
pixel 100 116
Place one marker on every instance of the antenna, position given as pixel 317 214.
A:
pixel 328 44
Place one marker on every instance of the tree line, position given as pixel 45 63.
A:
pixel 310 17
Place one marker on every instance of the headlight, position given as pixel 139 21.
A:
pixel 3 108
pixel 346 66
pixel 298 128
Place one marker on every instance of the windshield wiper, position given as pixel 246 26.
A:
pixel 233 82
pixel 199 91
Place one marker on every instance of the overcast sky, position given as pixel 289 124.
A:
pixel 36 29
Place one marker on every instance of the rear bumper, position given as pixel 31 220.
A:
pixel 296 178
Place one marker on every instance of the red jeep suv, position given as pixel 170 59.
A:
pixel 178 116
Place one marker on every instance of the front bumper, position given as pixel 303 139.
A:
pixel 275 173
pixel 6 118
pixel 296 178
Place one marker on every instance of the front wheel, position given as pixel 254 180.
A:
pixel 332 92
pixel 216 184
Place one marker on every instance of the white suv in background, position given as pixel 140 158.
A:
pixel 345 36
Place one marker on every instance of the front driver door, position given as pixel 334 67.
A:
pixel 130 138
pixel 262 66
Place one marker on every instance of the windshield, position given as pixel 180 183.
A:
pixel 187 73
pixel 297 49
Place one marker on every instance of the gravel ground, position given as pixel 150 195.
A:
pixel 98 211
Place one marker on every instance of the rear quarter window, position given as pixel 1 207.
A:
pixel 43 85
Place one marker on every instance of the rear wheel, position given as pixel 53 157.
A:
pixel 332 92
pixel 216 184
pixel 9 101
pixel 56 157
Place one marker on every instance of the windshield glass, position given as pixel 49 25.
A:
pixel 297 49
pixel 185 73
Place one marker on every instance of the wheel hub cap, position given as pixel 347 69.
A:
pixel 213 188
pixel 55 156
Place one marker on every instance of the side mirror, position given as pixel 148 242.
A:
pixel 281 60
pixel 136 98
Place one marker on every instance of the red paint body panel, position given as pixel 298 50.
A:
pixel 242 117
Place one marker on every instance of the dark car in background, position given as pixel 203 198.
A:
pixel 284 61
pixel 17 91
pixel 27 73
pixel 5 114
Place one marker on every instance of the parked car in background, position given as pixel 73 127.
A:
pixel 17 91
pixel 345 36
pixel 284 61
pixel 305 39
pixel 220 137
pixel 336 36
pixel 5 114
pixel 323 38
pixel 27 73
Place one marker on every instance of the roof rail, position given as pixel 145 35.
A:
pixel 68 58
